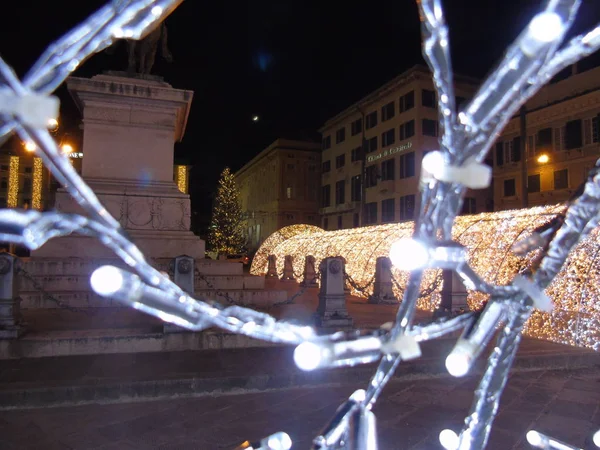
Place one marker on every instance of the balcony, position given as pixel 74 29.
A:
pixel 337 209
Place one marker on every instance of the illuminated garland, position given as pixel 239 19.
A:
pixel 182 179
pixel 38 173
pixel 488 238
pixel 13 183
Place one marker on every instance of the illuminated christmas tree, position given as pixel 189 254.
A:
pixel 226 234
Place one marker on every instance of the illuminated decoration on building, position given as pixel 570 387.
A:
pixel 488 238
pixel 389 152
pixel 38 174
pixel 182 179
pixel 75 155
pixel 13 183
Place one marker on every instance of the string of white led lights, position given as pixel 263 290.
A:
pixel 25 108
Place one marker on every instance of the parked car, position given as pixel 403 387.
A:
pixel 238 258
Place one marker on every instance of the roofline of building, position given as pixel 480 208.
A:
pixel 280 144
pixel 386 88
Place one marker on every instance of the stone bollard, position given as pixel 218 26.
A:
pixel 309 277
pixel 288 269
pixel 272 267
pixel 382 288
pixel 183 273
pixel 11 321
pixel 454 295
pixel 183 276
pixel 332 312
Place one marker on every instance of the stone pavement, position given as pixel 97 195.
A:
pixel 410 415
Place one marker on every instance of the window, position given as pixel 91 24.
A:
pixel 326 223
pixel 407 165
pixel 469 206
pixel 340 192
pixel 407 101
pixel 371 176
pixel 27 169
pixel 326 143
pixel 356 127
pixel 26 203
pixel 573 135
pixel 340 135
pixel 291 166
pixel 428 98
pixel 515 151
pixel 388 210
pixel 510 189
pixel 388 111
pixel 355 220
pixel 326 166
pixel 371 213
pixel 2 202
pixel 371 120
pixel 533 183
pixel 288 192
pixel 355 188
pixel 340 161
pixel 27 185
pixel 312 167
pixel 429 127
pixel 499 153
pixel 326 196
pixel 407 130
pixel 543 142
pixel 595 129
pixel 530 146
pixel 388 138
pixel 4 167
pixel 407 207
pixel 372 144
pixel 561 179
pixel 387 170
pixel 356 154
pixel 4 183
pixel 339 227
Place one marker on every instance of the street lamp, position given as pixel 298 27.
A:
pixel 66 148
pixel 543 158
pixel 30 146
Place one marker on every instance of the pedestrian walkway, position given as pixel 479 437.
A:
pixel 35 382
pixel 410 415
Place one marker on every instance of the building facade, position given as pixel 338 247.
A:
pixel 562 144
pixel 372 152
pixel 280 187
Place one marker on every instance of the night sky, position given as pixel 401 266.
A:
pixel 294 63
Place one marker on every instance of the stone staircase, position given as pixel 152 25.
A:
pixel 64 317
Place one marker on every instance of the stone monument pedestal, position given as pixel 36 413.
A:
pixel 130 126
pixel 332 313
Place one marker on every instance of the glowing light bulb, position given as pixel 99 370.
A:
pixel 30 146
pixel 156 11
pixel 307 356
pixel 409 254
pixel 52 124
pixel 255 118
pixel 67 148
pixel 449 439
pixel 106 280
pixel 543 159
pixel 534 438
pixel 546 27
pixel 279 441
pixel 433 162
pixel 596 438
pixel 458 364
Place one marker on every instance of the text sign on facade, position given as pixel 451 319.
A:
pixel 388 152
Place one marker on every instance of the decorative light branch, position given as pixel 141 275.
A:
pixel 531 60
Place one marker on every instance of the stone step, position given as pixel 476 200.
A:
pixel 119 340
pixel 65 283
pixel 87 299
pixel 85 266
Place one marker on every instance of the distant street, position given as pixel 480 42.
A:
pixel 565 404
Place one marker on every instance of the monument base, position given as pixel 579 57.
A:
pixel 155 215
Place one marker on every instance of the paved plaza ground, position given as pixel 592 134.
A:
pixel 564 403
